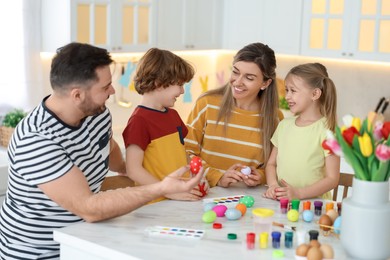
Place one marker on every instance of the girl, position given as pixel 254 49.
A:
pixel 230 127
pixel 298 166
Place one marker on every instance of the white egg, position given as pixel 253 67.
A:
pixel 246 170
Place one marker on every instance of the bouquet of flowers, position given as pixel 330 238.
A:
pixel 364 145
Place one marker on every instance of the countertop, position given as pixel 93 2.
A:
pixel 126 237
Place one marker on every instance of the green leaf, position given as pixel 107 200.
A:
pixel 382 173
pixel 13 118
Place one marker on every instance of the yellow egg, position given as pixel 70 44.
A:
pixel 327 251
pixel 314 253
pixel 293 215
pixel 332 214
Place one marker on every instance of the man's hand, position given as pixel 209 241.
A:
pixel 175 183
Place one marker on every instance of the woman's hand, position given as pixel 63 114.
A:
pixel 253 179
pixel 232 175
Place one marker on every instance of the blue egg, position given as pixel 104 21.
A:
pixel 307 215
pixel 208 206
pixel 337 225
pixel 233 214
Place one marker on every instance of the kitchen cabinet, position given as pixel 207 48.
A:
pixel 276 23
pixel 351 29
pixel 117 25
pixel 189 24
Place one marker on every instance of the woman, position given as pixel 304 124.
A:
pixel 231 127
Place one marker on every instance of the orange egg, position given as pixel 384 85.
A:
pixel 326 221
pixel 241 207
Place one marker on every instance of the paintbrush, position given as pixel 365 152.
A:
pixel 283 226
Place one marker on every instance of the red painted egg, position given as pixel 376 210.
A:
pixel 195 164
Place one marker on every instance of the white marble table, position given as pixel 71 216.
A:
pixel 125 237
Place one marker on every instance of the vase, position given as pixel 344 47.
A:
pixel 365 221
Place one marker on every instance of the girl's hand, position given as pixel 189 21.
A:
pixel 270 193
pixel 253 179
pixel 286 191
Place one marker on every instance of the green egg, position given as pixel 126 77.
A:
pixel 248 201
pixel 209 216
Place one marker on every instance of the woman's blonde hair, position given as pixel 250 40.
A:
pixel 264 57
pixel 316 76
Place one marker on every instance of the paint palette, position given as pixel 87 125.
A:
pixel 229 201
pixel 175 232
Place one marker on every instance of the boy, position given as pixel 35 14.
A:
pixel 154 135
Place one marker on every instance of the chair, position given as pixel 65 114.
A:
pixel 116 182
pixel 346 182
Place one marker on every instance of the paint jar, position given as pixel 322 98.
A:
pixel 313 235
pixel 263 240
pixel 288 239
pixel 262 220
pixel 276 239
pixel 329 206
pixel 250 241
pixel 301 236
pixel 283 205
pixel 295 204
pixel 318 208
pixel 339 208
pixel 306 205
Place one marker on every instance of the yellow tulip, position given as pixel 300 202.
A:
pixel 356 122
pixel 365 145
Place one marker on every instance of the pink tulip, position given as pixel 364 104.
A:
pixel 382 152
pixel 333 146
pixel 377 131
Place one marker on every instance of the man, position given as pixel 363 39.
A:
pixel 59 156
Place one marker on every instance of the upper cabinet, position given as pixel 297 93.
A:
pixel 352 29
pixel 276 23
pixel 117 25
pixel 190 24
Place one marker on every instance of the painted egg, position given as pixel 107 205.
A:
pixel 307 215
pixel 337 225
pixel 248 201
pixel 195 164
pixel 233 214
pixel 293 215
pixel 220 210
pixel 332 214
pixel 209 216
pixel 325 221
pixel 246 170
pixel 241 207
pixel 208 206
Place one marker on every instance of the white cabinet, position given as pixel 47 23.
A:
pixel 276 23
pixel 352 29
pixel 189 24
pixel 117 25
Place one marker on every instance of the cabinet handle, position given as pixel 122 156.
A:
pixel 350 54
pixel 343 54
pixel 119 48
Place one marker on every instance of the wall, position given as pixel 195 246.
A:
pixel 359 84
